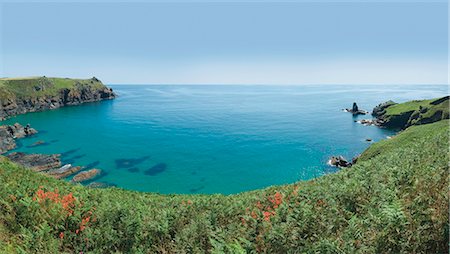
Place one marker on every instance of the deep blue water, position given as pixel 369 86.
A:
pixel 214 139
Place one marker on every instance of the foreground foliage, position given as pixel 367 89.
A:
pixel 395 199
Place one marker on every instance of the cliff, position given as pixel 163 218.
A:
pixel 23 95
pixel 402 115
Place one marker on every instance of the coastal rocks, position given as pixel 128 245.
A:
pixel 36 162
pixel 369 122
pixel 339 161
pixel 64 171
pixel 355 110
pixel 400 116
pixel 380 109
pixel 8 134
pixel 44 94
pixel 86 175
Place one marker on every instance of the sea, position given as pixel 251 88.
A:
pixel 197 139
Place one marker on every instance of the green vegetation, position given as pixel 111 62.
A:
pixel 416 112
pixel 35 87
pixel 394 200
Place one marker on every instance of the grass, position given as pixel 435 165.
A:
pixel 35 87
pixel 394 200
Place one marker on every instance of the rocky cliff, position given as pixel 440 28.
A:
pixel 403 115
pixel 22 95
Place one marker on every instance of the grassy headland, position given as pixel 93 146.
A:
pixel 393 200
pixel 410 113
pixel 22 95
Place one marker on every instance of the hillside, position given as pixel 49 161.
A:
pixel 22 95
pixel 393 200
pixel 402 115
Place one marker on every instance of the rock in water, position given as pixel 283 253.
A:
pixel 64 171
pixel 36 162
pixel 339 161
pixel 86 175
pixel 355 107
pixel 355 110
pixel 10 132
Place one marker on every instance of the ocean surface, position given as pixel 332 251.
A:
pixel 214 139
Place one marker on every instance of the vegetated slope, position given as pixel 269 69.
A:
pixel 22 95
pixel 403 115
pixel 394 200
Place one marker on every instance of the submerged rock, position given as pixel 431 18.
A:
pixel 86 175
pixel 100 185
pixel 36 162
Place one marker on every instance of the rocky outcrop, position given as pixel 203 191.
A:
pixel 339 161
pixel 64 171
pixel 381 108
pixel 355 110
pixel 36 162
pixel 44 94
pixel 410 113
pixel 86 175
pixel 8 134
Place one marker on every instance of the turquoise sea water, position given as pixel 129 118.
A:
pixel 213 139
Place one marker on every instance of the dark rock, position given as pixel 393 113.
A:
pixel 86 175
pixel 128 163
pixel 339 161
pixel 158 168
pixel 355 110
pixel 36 162
pixel 368 139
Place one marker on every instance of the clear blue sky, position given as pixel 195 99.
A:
pixel 202 42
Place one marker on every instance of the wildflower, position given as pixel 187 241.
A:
pixel 267 215
pixel 61 235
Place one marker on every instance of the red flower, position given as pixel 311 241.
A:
pixel 61 235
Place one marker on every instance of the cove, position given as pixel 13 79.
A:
pixel 213 139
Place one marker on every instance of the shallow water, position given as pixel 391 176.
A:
pixel 213 139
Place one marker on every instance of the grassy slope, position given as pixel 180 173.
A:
pixel 393 200
pixel 26 87
pixel 394 113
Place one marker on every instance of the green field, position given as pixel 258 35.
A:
pixel 394 200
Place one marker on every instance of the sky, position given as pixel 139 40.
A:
pixel 227 42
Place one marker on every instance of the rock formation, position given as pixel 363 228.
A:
pixel 64 171
pixel 355 110
pixel 339 161
pixel 400 116
pixel 36 162
pixel 86 175
pixel 8 134
pixel 44 93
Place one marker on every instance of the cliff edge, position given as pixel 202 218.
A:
pixel 23 95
